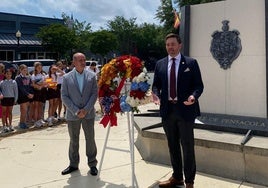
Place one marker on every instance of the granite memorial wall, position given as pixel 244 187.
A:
pixel 229 39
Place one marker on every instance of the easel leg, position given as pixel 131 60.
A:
pixel 131 147
pixel 103 150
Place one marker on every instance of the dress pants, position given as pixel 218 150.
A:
pixel 179 135
pixel 91 149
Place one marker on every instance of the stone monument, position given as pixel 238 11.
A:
pixel 235 94
pixel 229 39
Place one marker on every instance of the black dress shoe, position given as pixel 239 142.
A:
pixel 93 171
pixel 68 170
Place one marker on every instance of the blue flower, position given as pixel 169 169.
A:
pixel 125 107
pixel 144 86
pixel 134 86
pixel 106 103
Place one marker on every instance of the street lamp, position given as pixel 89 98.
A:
pixel 18 36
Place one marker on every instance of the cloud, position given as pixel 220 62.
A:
pixel 99 13
pixel 96 12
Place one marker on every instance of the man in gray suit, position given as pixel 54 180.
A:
pixel 79 94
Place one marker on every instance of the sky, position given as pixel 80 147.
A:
pixel 95 12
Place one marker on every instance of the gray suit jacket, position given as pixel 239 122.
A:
pixel 74 100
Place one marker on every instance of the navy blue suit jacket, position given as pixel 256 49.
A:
pixel 189 82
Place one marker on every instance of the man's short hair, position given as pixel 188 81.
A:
pixel 173 35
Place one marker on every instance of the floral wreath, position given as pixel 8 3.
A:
pixel 113 76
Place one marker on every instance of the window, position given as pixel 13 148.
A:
pixel 6 55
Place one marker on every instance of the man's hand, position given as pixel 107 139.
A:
pixel 81 113
pixel 156 99
pixel 190 100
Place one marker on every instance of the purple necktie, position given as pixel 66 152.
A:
pixel 172 80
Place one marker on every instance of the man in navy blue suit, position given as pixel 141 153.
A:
pixel 177 86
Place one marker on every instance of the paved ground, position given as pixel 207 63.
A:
pixel 35 159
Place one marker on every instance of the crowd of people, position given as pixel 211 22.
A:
pixel 31 91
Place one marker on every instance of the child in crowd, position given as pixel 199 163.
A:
pixel 2 76
pixel 52 94
pixel 8 96
pixel 26 91
pixel 60 74
pixel 69 68
pixel 64 65
pixel 40 91
pixel 93 68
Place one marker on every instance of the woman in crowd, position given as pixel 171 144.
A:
pixel 2 76
pixel 59 74
pixel 40 92
pixel 52 94
pixel 26 91
pixel 8 96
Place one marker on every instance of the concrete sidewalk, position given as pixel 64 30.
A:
pixel 35 158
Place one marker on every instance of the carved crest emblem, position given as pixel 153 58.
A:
pixel 225 46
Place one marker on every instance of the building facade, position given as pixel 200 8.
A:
pixel 17 37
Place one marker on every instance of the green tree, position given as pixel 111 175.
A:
pixel 165 12
pixel 57 38
pixel 125 31
pixel 103 42
pixel 150 44
pixel 82 32
pixel 150 40
pixel 165 15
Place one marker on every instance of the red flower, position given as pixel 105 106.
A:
pixel 121 68
pixel 116 106
pixel 137 94
pixel 136 66
pixel 105 90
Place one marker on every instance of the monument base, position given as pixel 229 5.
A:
pixel 217 153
